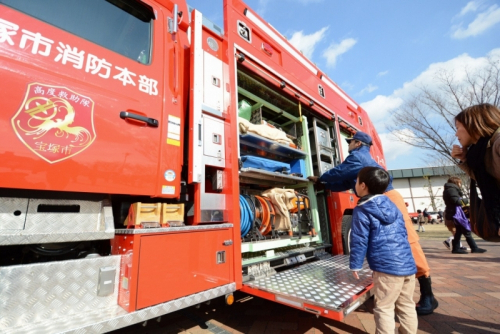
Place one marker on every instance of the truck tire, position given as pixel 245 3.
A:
pixel 346 233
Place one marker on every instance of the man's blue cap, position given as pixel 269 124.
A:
pixel 362 137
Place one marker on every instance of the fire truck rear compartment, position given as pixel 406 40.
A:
pixel 292 267
pixel 261 102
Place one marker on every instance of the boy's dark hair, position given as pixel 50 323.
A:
pixel 375 178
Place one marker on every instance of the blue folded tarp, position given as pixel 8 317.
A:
pixel 265 164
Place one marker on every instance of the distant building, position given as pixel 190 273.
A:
pixel 420 187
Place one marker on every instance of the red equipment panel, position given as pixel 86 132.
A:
pixel 161 267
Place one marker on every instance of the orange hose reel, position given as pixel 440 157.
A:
pixel 272 215
pixel 268 214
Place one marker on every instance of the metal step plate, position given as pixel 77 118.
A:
pixel 33 221
pixel 114 317
pixel 327 283
pixel 46 292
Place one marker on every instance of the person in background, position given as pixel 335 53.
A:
pixel 451 193
pixel 426 216
pixel 441 216
pixel 379 233
pixel 343 177
pixel 452 196
pixel 420 221
pixel 478 131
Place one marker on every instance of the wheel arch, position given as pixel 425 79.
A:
pixel 346 231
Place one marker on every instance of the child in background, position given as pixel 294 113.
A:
pixel 420 221
pixel 379 233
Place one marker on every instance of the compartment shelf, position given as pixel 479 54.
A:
pixel 262 177
pixel 257 246
pixel 282 254
pixel 271 146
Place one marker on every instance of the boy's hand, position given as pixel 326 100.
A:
pixel 355 274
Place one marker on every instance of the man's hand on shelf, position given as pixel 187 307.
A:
pixel 313 178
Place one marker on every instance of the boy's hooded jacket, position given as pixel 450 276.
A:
pixel 379 233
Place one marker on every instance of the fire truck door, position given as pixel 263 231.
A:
pixel 82 95
pixel 196 118
pixel 208 124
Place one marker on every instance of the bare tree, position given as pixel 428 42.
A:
pixel 426 119
pixel 435 200
pixel 450 171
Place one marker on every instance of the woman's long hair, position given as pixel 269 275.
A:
pixel 455 180
pixel 481 120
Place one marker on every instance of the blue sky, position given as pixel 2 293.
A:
pixel 379 52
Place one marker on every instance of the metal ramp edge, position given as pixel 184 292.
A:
pixel 327 284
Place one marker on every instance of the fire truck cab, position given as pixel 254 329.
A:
pixel 152 161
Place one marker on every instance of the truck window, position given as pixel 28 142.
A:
pixel 343 144
pixel 123 26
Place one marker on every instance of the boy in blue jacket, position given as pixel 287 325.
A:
pixel 379 233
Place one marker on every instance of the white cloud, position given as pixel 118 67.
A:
pixel 393 148
pixel 471 6
pixel 381 74
pixel 483 21
pixel 368 89
pixel 346 85
pixel 495 53
pixel 378 108
pixel 307 43
pixel 399 155
pixel 335 50
pixel 261 10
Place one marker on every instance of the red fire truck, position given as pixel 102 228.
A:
pixel 152 161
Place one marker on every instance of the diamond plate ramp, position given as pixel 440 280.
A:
pixel 326 283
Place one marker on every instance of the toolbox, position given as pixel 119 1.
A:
pixel 154 215
pixel 143 215
pixel 172 215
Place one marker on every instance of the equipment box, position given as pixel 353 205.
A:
pixel 159 265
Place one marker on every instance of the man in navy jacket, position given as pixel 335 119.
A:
pixel 343 177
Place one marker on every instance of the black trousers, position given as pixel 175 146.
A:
pixel 468 237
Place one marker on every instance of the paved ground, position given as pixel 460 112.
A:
pixel 467 287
